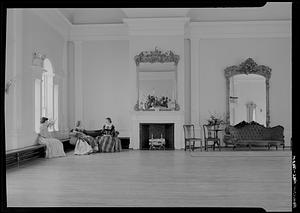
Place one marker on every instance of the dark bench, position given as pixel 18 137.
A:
pixel 125 141
pixel 67 145
pixel 17 156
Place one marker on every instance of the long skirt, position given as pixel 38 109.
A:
pixel 90 140
pixel 82 147
pixel 54 147
pixel 107 143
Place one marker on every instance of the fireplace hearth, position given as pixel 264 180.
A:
pixel 157 130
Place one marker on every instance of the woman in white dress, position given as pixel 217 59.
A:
pixel 54 147
pixel 82 147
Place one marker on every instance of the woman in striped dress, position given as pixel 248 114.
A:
pixel 109 141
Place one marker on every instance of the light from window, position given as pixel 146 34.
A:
pixel 37 104
pixel 56 107
pixel 47 91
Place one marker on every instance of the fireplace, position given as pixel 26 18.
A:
pixel 157 130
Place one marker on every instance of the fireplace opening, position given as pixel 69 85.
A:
pixel 157 131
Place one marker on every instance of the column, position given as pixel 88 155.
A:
pixel 78 80
pixel 195 99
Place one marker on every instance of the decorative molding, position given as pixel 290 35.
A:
pixel 38 59
pixel 182 27
pixel 156 56
pixel 241 29
pixel 248 67
pixel 56 20
pixel 157 26
pixel 99 32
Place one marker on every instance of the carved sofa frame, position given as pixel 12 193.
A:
pixel 253 134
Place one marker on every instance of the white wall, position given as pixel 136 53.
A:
pixel 30 33
pixel 216 54
pixel 105 84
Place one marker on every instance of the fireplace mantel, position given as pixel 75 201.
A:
pixel 176 117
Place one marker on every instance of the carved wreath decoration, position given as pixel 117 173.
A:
pixel 156 56
pixel 248 67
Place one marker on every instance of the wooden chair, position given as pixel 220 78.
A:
pixel 210 135
pixel 189 137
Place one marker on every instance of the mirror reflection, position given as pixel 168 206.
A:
pixel 247 99
pixel 157 86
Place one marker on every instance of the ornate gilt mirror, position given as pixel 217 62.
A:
pixel 247 93
pixel 156 81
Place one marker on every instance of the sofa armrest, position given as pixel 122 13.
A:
pixel 277 133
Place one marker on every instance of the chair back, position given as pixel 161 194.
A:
pixel 208 133
pixel 189 131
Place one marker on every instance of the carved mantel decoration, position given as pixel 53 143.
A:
pixel 249 66
pixel 156 56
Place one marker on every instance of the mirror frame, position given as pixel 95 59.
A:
pixel 156 56
pixel 249 66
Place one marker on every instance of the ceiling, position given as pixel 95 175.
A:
pixel 271 11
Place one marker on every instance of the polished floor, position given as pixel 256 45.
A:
pixel 160 178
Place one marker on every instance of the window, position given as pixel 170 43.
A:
pixel 37 104
pixel 56 107
pixel 49 100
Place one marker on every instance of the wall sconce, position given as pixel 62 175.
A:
pixel 233 99
pixel 8 84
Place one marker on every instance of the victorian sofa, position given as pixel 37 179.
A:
pixel 253 134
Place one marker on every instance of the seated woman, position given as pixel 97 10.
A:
pixel 54 147
pixel 109 141
pixel 84 144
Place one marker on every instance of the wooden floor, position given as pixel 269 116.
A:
pixel 138 178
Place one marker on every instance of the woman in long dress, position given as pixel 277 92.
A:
pixel 89 139
pixel 54 147
pixel 109 141
pixel 84 144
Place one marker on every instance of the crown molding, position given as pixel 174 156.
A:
pixel 156 26
pixel 240 29
pixel 99 32
pixel 182 27
pixel 56 20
